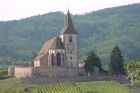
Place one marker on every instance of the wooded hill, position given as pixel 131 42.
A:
pixel 99 31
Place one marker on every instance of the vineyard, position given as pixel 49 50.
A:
pixel 84 87
pixel 13 85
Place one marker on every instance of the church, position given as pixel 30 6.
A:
pixel 62 50
pixel 57 58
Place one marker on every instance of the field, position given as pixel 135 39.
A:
pixel 13 85
pixel 84 87
pixel 3 71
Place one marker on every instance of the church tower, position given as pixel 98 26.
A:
pixel 70 41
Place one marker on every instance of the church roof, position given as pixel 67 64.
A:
pixel 68 25
pixel 57 44
pixel 54 43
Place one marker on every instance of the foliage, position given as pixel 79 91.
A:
pixel 98 31
pixel 116 62
pixel 92 61
pixel 133 68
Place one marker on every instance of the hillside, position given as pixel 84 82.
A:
pixel 99 31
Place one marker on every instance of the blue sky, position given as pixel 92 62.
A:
pixel 17 9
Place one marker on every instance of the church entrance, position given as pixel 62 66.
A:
pixel 58 59
pixel 52 59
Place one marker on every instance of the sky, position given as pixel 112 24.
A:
pixel 18 9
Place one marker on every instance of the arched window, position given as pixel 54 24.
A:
pixel 58 56
pixel 70 39
pixel 63 60
pixel 52 59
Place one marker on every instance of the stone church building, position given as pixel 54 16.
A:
pixel 58 56
pixel 62 50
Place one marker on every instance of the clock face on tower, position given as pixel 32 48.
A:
pixel 70 47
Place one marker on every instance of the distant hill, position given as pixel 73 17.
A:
pixel 99 31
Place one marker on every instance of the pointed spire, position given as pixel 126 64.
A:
pixel 68 25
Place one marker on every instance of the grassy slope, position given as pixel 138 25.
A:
pixel 3 71
pixel 85 87
pixel 13 85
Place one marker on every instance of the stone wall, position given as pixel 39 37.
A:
pixel 46 80
pixel 11 71
pixel 56 75
pixel 24 72
pixel 56 71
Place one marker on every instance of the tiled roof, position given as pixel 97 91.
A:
pixel 57 44
pixel 54 43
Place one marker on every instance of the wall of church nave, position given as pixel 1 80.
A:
pixel 57 57
pixel 44 60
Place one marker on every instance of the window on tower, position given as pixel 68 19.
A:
pixel 70 38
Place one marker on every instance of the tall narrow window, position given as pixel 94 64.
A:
pixel 58 59
pixel 52 59
pixel 70 38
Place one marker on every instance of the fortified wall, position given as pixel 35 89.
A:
pixel 24 72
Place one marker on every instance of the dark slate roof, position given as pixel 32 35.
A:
pixel 57 44
pixel 54 43
pixel 68 25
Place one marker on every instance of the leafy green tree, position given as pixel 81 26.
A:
pixel 134 71
pixel 116 62
pixel 91 61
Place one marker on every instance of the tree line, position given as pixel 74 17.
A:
pixel 116 66
pixel 100 29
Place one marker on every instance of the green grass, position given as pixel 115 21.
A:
pixel 13 85
pixel 3 71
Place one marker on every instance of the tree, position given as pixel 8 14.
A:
pixel 91 61
pixel 134 71
pixel 116 62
